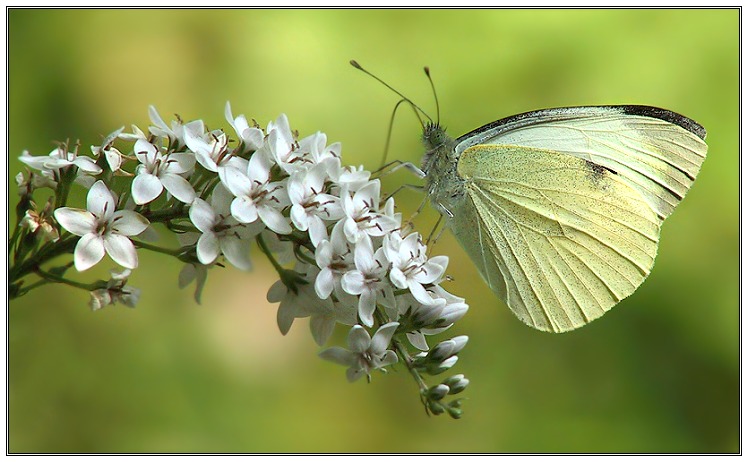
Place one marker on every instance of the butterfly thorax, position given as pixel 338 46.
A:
pixel 443 185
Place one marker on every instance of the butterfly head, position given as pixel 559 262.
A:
pixel 434 136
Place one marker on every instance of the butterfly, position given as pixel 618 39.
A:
pixel 560 209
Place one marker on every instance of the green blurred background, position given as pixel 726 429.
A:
pixel 660 373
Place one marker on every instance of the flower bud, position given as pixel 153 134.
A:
pixel 460 342
pixel 454 409
pixel 435 407
pixel 456 383
pixel 99 299
pixel 437 392
pixel 453 313
pixel 442 351
pixel 443 366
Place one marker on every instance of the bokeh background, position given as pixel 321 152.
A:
pixel 659 373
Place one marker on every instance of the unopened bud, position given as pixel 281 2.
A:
pixel 456 383
pixel 438 392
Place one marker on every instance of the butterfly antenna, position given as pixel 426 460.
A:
pixel 433 89
pixel 415 107
pixel 389 133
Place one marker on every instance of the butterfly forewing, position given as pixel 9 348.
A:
pixel 559 238
pixel 657 151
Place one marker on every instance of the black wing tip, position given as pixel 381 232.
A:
pixel 668 116
pixel 526 118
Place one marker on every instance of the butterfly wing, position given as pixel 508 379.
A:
pixel 560 239
pixel 656 151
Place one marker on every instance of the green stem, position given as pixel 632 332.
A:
pixel 62 280
pixel 302 256
pixel 14 237
pixel 155 248
pixel 47 252
pixel 30 287
pixel 167 214
pixel 266 250
pixel 402 352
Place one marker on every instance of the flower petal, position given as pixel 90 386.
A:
pixel 419 293
pixel 367 303
pixel 244 210
pixel 324 284
pixel 382 338
pixel 236 181
pixel 121 250
pixel 274 219
pixel 202 216
pixel 321 327
pixel 317 230
pixel 207 248
pixel 145 152
pixel 77 221
pixel 100 201
pixel 358 339
pixel 221 199
pixel 145 188
pixel 418 340
pixel 87 164
pixel 353 282
pixel 236 252
pixel 354 373
pixel 298 216
pixel 339 355
pixel 179 163
pixel 364 256
pixel 178 187
pixel 129 223
pixel 88 252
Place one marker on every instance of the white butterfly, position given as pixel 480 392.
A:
pixel 560 209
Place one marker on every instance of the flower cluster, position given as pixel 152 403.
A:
pixel 342 253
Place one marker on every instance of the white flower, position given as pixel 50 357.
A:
pixel 112 154
pixel 346 177
pixel 175 134
pixel 137 134
pixel 365 353
pixel 369 281
pixel 432 318
pixel 60 157
pixel 41 223
pixel 315 149
pixel 116 291
pixel 192 271
pixel 211 149
pixel 334 258
pixel 251 137
pixel 255 196
pixel 453 310
pixel 447 349
pixel 281 148
pixel 324 314
pixel 310 205
pixel 34 181
pixel 362 216
pixel 411 268
pixel 102 229
pixel 158 171
pixel 221 233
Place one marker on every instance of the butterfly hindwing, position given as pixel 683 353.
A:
pixel 559 238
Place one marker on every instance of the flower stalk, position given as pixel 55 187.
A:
pixel 341 251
